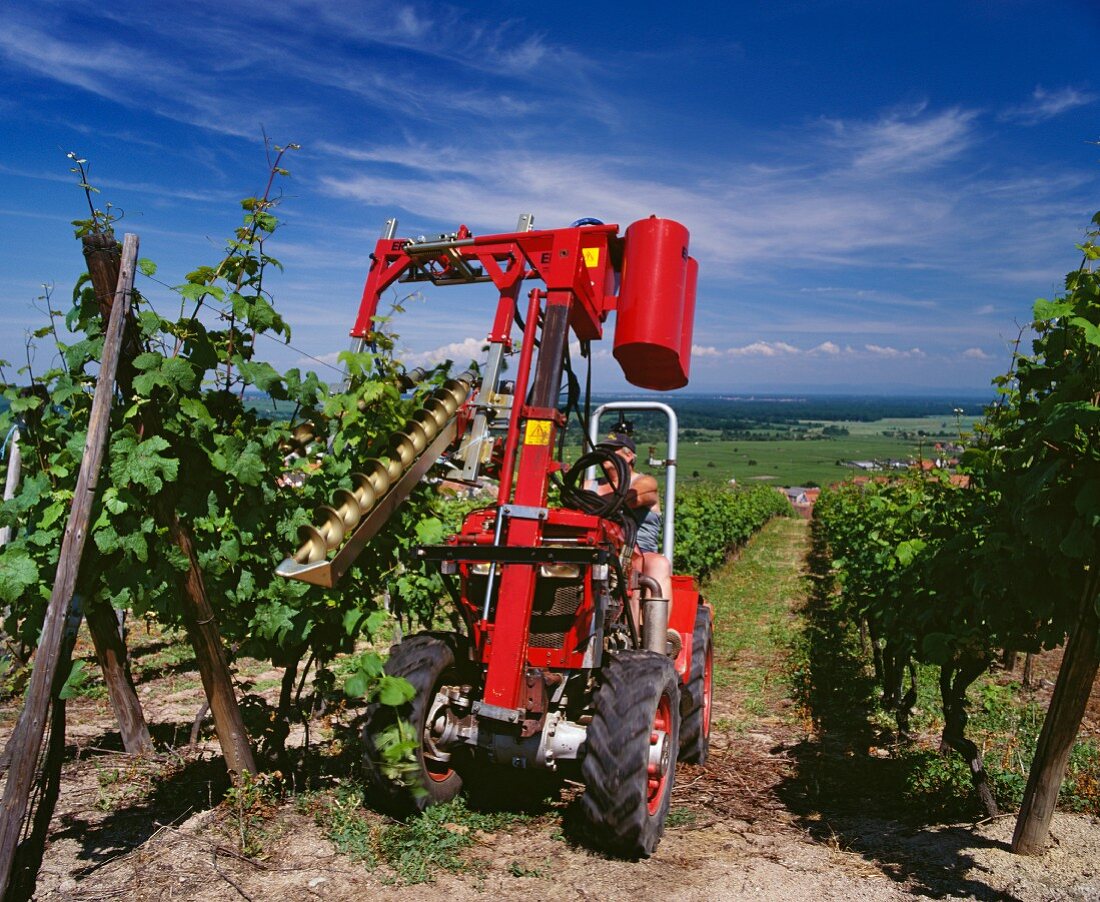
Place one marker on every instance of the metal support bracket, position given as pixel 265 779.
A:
pixel 496 712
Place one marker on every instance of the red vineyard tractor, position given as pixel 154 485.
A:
pixel 570 657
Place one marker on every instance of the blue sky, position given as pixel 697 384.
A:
pixel 876 192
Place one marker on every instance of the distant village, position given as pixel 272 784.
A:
pixel 945 456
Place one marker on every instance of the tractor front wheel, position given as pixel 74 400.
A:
pixel 411 782
pixel 695 730
pixel 630 753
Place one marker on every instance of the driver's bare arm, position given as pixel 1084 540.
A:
pixel 643 492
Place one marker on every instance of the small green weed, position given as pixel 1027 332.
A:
pixel 125 785
pixel 249 806
pixel 1081 788
pixel 434 841
pixel 346 825
pixel 938 785
pixel 82 684
pixel 1006 728
pixel 518 869
pixel 417 849
pixel 681 817
pixel 108 778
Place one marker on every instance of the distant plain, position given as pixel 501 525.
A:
pixel 817 461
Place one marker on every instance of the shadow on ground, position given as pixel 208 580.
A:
pixel 191 786
pixel 842 792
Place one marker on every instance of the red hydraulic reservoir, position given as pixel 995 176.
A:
pixel 649 327
pixel 687 316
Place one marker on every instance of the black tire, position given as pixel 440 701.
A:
pixel 625 811
pixel 695 728
pixel 427 661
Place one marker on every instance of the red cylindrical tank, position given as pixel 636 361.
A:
pixel 687 315
pixel 649 322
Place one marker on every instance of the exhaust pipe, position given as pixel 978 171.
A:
pixel 654 616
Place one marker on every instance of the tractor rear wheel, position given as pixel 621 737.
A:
pixel 630 753
pixel 695 729
pixel 408 786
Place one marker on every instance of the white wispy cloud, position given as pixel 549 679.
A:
pixel 905 141
pixel 985 310
pixel 147 63
pixel 763 349
pixel 705 351
pixel 975 354
pixel 889 352
pixel 1044 105
pixel 857 190
pixel 826 347
pixel 461 352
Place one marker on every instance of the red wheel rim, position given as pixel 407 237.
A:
pixel 438 772
pixel 658 782
pixel 708 674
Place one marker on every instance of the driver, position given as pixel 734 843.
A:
pixel 643 505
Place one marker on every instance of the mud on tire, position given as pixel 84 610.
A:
pixel 624 806
pixel 427 661
pixel 695 727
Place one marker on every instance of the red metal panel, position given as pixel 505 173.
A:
pixel 578 260
pixel 511 440
pixel 685 604
pixel 504 677
pixel 648 328
pixel 388 263
pixel 687 323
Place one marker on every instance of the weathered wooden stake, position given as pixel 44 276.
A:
pixel 28 855
pixel 32 720
pixel 198 613
pixel 210 654
pixel 1067 706
pixel 1026 680
pixel 111 654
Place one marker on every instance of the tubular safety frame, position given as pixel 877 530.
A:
pixel 668 542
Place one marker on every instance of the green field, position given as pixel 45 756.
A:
pixel 801 462
pixel 769 450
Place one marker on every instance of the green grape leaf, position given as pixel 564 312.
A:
pixel 18 572
pixel 394 691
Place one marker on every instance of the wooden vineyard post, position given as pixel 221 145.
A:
pixel 1026 679
pixel 210 655
pixel 28 855
pixel 47 660
pixel 1067 706
pixel 202 630
pixel 111 654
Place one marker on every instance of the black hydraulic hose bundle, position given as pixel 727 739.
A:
pixel 611 505
pixel 576 496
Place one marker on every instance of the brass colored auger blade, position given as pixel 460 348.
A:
pixel 403 447
pixel 426 422
pixel 313 549
pixel 418 434
pixel 364 491
pixel 356 514
pixel 347 506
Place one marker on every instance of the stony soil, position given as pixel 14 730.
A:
pixel 755 823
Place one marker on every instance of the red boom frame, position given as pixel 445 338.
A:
pixel 580 267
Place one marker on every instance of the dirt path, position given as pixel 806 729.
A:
pixel 778 812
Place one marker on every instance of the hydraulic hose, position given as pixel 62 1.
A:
pixel 611 505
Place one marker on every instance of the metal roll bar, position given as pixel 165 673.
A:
pixel 669 504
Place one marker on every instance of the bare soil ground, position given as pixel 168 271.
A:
pixel 786 808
